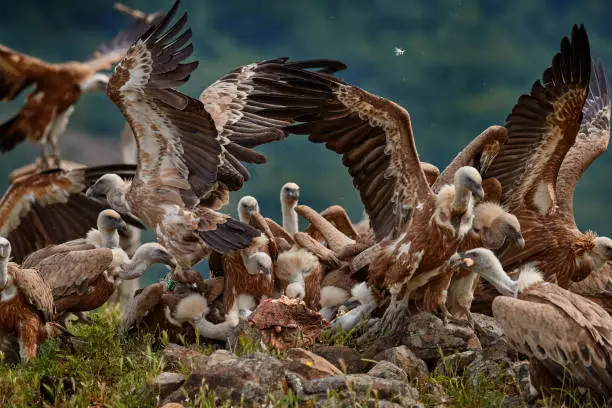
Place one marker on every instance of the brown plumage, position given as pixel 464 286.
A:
pixel 58 87
pixel 41 208
pixel 597 287
pixel 299 273
pixel 542 128
pixel 562 331
pixel 185 156
pixel 375 138
pixel 26 304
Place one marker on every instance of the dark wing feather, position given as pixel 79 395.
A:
pixel 50 207
pixel 591 142
pixel 542 128
pixel 373 135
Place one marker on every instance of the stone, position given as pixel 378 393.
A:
pixel 178 356
pixel 455 364
pixel 166 383
pixel 244 329
pixel 343 357
pixel 309 365
pixel 404 358
pixel 363 384
pixel 491 336
pixel 254 378
pixel 523 378
pixel 424 334
pixel 173 405
pixel 385 369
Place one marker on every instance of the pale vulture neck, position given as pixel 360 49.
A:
pixel 462 201
pixel 3 273
pixel 135 268
pixel 109 239
pixel 500 280
pixel 290 217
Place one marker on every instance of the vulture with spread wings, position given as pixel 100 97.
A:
pixel 57 88
pixel 41 208
pixel 542 128
pixel 189 151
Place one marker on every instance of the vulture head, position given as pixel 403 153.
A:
pixel 603 248
pixel 145 256
pixel 110 221
pixel 467 178
pixel 259 263
pixel 296 290
pixel 484 262
pixel 95 83
pixel 247 206
pixel 5 249
pixel 111 187
pixel 290 193
pixel 496 227
pixel 5 253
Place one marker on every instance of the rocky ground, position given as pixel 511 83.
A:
pixel 434 366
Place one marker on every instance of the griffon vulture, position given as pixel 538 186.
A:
pixel 26 304
pixel 559 330
pixel 46 111
pixel 187 159
pixel 50 207
pixel 289 197
pixel 542 128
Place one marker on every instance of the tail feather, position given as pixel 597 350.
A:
pixel 9 136
pixel 229 236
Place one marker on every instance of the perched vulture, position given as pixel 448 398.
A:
pixel 421 229
pixel 560 331
pixel 41 208
pixel 194 308
pixel 299 273
pixel 289 197
pixel 189 150
pixel 46 111
pixel 542 128
pixel 26 304
pixel 83 280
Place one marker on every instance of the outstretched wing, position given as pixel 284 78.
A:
pixel 479 153
pixel 374 136
pixel 542 128
pixel 18 71
pixel 591 142
pixel 35 290
pixel 50 207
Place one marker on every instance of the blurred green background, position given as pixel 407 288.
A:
pixel 465 64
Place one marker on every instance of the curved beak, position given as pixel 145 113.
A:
pixel 266 271
pixel 520 241
pixel 460 261
pixel 121 226
pixel 4 252
pixel 90 192
pixel 478 192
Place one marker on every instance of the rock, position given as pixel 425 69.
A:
pixel 286 323
pixel 491 336
pixel 173 405
pixel 385 369
pixel 362 384
pixel 244 329
pixel 254 378
pixel 425 334
pixel 166 383
pixel 453 365
pixel 343 357
pixel 405 359
pixel 483 368
pixel 309 365
pixel 178 356
pixel 521 371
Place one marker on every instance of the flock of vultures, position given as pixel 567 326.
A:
pixel 493 232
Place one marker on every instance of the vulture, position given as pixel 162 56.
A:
pixel 420 229
pixel 289 196
pixel 189 150
pixel 84 279
pixel 597 287
pixel 299 273
pixel 194 308
pixel 57 88
pixel 41 208
pixel 542 129
pixel 26 304
pixel 560 331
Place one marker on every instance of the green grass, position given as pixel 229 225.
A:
pixel 113 371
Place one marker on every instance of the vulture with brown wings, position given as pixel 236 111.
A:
pixel 45 114
pixel 189 150
pixel 41 208
pixel 543 144
pixel 560 331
